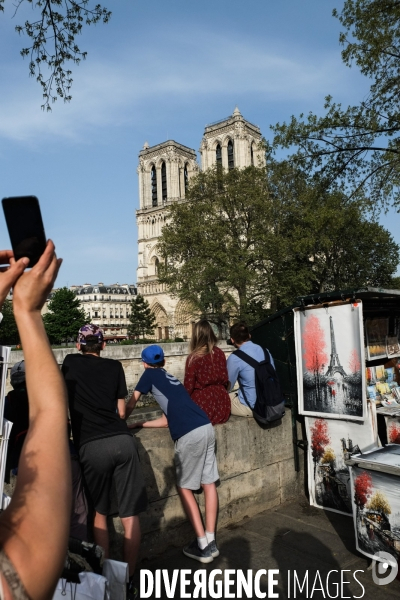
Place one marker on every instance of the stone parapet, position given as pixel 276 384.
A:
pixel 256 467
pixel 129 356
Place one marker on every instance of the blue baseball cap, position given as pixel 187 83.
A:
pixel 153 355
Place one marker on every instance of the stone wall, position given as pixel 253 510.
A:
pixel 175 359
pixel 256 467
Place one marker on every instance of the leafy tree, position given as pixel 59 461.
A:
pixel 395 283
pixel 249 241
pixel 324 241
pixel 52 42
pixel 212 249
pixel 142 320
pixel 65 316
pixel 9 335
pixel 359 144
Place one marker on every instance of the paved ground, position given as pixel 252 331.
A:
pixel 292 537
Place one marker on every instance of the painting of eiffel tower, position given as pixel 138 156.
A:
pixel 334 366
pixel 330 359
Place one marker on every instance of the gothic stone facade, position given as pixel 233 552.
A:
pixel 164 173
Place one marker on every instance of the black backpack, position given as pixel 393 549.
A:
pixel 270 404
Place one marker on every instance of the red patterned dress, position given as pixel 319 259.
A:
pixel 206 378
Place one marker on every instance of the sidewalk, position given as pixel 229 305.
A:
pixel 292 537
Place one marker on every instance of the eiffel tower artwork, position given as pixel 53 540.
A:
pixel 335 366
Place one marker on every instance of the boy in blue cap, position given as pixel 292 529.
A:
pixel 194 439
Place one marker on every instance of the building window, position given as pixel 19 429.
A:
pixel 186 177
pixel 164 182
pixel 218 155
pixel 252 155
pixel 153 176
pixel 231 162
pixel 156 265
pixel 96 314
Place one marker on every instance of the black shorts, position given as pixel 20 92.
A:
pixel 115 458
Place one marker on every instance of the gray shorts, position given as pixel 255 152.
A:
pixel 195 460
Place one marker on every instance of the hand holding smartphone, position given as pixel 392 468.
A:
pixel 25 227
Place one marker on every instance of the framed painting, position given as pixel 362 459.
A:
pixel 376 510
pixel 376 333
pixel 330 361
pixel 330 443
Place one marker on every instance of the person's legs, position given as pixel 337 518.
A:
pixel 192 511
pixel 211 502
pixel 132 538
pixel 131 493
pixel 237 408
pixel 100 532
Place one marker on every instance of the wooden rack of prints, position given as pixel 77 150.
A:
pixel 383 380
pixel 344 401
pixel 331 388
pixel 5 426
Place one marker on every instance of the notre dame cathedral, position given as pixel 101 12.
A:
pixel 164 173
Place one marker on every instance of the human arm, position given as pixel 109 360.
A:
pixel 190 376
pixel 233 372
pixel 122 392
pixel 121 407
pixel 161 422
pixel 132 403
pixel 34 528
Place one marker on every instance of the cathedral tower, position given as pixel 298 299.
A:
pixel 231 142
pixel 164 172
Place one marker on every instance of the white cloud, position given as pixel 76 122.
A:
pixel 120 88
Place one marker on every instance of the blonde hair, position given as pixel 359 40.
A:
pixel 203 339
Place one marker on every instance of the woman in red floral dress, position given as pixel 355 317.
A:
pixel 206 375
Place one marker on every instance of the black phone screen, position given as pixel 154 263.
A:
pixel 25 227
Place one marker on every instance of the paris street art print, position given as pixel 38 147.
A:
pixel 330 443
pixel 376 511
pixel 330 361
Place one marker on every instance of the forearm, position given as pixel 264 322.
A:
pixel 43 378
pixel 156 423
pixel 34 529
pixel 131 403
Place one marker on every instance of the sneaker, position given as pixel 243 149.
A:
pixel 193 551
pixel 213 549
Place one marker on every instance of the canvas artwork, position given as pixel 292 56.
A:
pixel 376 331
pixel 330 361
pixel 393 428
pixel 330 443
pixel 376 511
pixel 392 346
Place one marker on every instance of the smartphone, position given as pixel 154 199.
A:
pixel 25 227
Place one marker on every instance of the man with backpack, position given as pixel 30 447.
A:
pixel 259 394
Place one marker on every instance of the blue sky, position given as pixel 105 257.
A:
pixel 157 71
